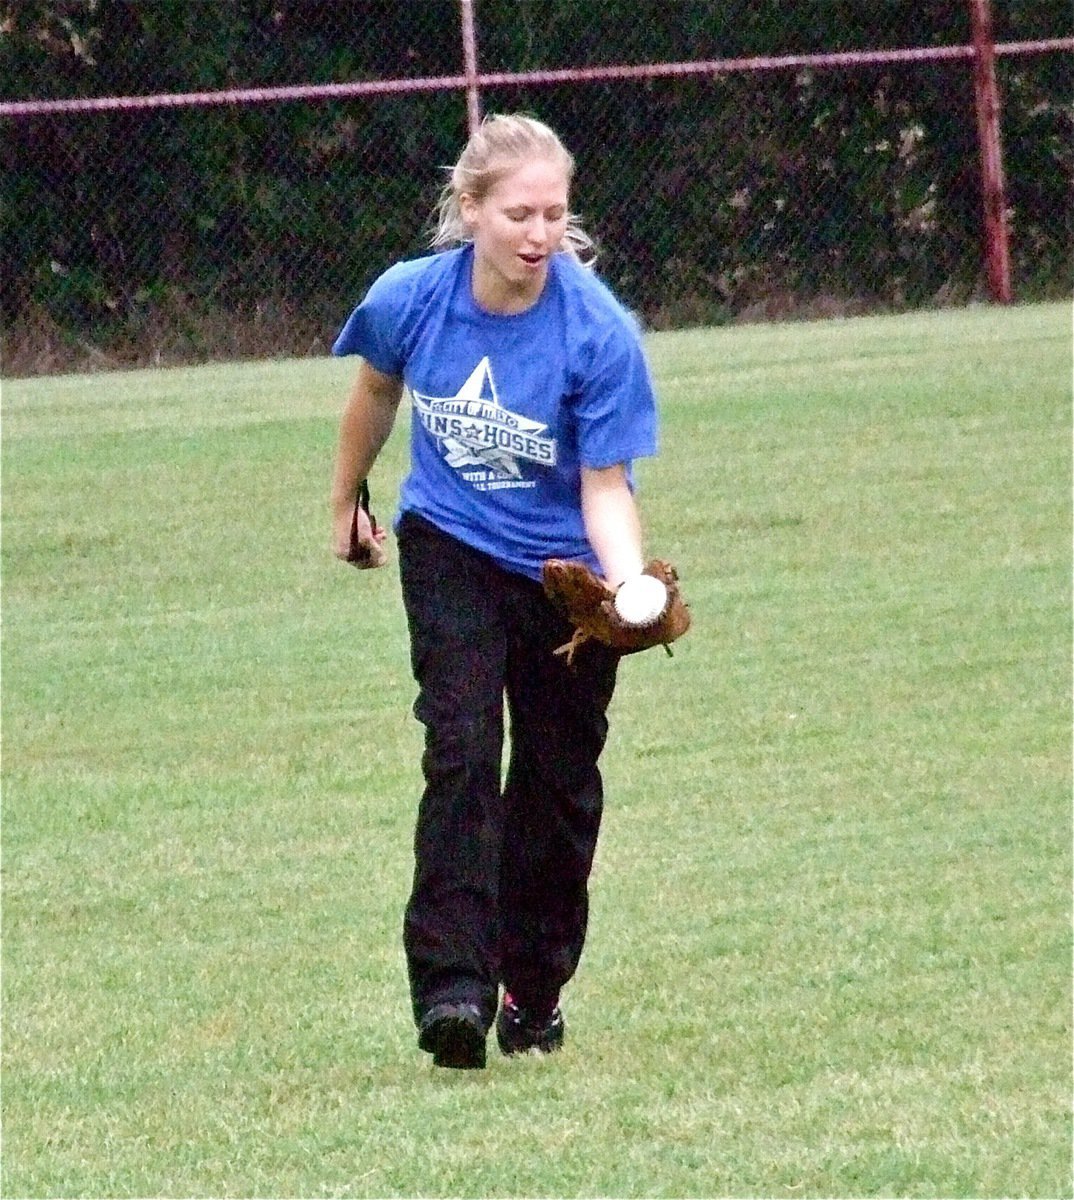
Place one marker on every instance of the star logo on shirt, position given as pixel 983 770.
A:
pixel 482 439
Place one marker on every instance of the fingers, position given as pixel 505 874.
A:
pixel 366 550
pixel 358 542
pixel 367 556
pixel 367 553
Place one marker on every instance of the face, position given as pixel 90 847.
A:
pixel 516 229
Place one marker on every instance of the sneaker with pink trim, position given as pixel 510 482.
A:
pixel 520 1030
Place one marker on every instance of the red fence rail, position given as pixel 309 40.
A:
pixel 474 83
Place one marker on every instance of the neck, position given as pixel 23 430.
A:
pixel 500 296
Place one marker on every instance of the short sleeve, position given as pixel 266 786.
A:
pixel 616 406
pixel 374 330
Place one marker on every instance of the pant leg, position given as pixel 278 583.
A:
pixel 458 652
pixel 553 799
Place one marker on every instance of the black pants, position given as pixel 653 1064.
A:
pixel 500 889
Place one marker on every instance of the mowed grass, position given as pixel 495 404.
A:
pixel 830 945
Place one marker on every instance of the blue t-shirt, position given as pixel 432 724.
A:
pixel 507 409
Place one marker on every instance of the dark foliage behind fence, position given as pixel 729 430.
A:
pixel 189 232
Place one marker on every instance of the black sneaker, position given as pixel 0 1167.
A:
pixel 454 1034
pixel 521 1031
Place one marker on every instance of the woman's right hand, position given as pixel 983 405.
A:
pixel 355 540
pixel 364 426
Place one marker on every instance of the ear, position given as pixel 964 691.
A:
pixel 468 208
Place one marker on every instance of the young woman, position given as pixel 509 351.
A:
pixel 531 398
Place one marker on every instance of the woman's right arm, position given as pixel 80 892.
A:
pixel 368 417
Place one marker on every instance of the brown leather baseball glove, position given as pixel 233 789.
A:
pixel 589 604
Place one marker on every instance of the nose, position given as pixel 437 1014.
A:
pixel 538 230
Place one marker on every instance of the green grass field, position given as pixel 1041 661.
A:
pixel 830 948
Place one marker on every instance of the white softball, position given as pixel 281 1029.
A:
pixel 639 601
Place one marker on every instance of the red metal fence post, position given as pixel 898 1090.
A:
pixel 986 94
pixel 469 57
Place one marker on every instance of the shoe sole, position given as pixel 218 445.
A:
pixel 455 1043
pixel 542 1047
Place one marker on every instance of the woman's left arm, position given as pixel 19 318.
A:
pixel 611 522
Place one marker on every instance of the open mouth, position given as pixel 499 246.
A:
pixel 532 260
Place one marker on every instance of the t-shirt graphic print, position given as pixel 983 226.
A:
pixel 480 438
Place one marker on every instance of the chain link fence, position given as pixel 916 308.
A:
pixel 246 224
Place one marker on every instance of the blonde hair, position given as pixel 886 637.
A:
pixel 497 147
